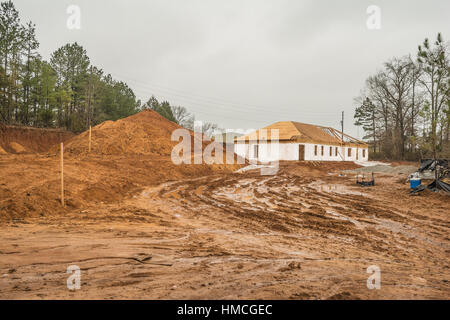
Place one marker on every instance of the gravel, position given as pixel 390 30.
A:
pixel 385 169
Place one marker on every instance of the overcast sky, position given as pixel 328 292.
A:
pixel 243 64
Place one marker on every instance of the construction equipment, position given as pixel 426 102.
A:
pixel 428 166
pixel 361 180
pixel 437 168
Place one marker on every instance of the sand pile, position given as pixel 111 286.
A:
pixel 2 151
pixel 127 156
pixel 146 133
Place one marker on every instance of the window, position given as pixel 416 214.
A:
pixel 322 150
pixel 315 150
pixel 364 153
pixel 331 151
pixel 255 151
pixel 336 152
pixel 349 152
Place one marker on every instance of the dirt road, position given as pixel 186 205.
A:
pixel 306 233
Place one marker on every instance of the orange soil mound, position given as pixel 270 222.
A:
pixel 31 140
pixel 146 133
pixel 2 151
pixel 127 156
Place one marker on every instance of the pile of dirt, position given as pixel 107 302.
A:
pixel 127 156
pixel 146 133
pixel 2 151
pixel 17 140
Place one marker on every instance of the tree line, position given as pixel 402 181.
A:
pixel 67 91
pixel 404 107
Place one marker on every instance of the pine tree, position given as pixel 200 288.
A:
pixel 435 78
pixel 366 117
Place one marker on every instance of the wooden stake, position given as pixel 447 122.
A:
pixel 62 175
pixel 90 138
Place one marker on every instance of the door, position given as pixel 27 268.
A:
pixel 301 152
pixel 256 151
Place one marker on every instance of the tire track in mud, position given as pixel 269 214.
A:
pixel 286 204
pixel 280 203
pixel 246 235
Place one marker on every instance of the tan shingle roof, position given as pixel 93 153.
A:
pixel 301 132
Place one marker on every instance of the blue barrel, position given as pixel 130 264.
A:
pixel 414 183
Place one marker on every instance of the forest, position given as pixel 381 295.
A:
pixel 404 106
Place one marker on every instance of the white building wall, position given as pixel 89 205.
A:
pixel 311 155
pixel 241 149
pixel 290 152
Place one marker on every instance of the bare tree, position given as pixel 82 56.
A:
pixel 416 101
pixel 383 110
pixel 182 116
pixel 411 108
pixel 396 85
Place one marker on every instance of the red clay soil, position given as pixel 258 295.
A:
pixel 30 140
pixel 127 156
pixel 145 133
pixel 229 236
pixel 141 227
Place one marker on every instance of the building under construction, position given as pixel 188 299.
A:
pixel 295 141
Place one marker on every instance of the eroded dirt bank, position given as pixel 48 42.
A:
pixel 30 140
pixel 306 233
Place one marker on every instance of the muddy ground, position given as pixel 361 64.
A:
pixel 306 233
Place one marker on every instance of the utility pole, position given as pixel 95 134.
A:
pixel 342 136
